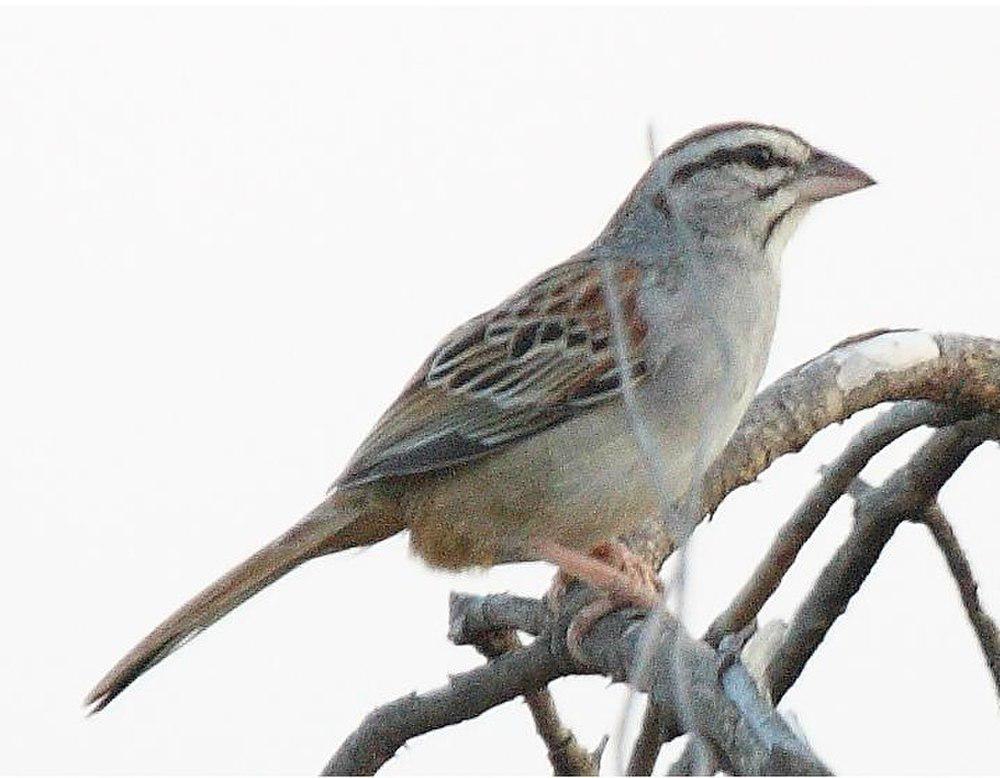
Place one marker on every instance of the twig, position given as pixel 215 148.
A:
pixel 565 753
pixel 984 626
pixel 387 728
pixel 835 480
pixel 721 712
pixel 752 746
pixel 470 619
pixel 473 621
pixel 928 469
pixel 733 717
pixel 656 729
pixel 790 539
pixel 878 513
pixel 697 758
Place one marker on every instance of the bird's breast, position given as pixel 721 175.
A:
pixel 709 338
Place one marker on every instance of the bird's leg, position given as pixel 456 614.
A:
pixel 624 578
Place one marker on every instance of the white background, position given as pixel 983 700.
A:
pixel 228 237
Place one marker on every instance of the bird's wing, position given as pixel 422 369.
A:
pixel 539 358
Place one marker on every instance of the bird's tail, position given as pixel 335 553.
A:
pixel 332 526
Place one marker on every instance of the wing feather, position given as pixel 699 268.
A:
pixel 537 359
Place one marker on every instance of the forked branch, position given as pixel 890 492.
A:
pixel 878 512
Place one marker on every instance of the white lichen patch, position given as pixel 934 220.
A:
pixel 860 362
pixel 760 650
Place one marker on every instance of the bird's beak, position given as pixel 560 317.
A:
pixel 825 175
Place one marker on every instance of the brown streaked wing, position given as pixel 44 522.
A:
pixel 540 357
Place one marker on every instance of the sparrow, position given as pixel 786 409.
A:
pixel 514 441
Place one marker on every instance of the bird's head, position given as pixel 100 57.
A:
pixel 747 181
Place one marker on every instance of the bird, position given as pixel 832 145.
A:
pixel 516 439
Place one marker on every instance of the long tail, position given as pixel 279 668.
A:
pixel 327 528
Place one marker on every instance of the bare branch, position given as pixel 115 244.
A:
pixel 721 706
pixel 566 755
pixel 912 485
pixel 657 728
pixel 725 713
pixel 387 728
pixel 473 618
pixel 984 626
pixel 878 512
pixel 697 758
pixel 835 480
pixel 790 539
pixel 487 623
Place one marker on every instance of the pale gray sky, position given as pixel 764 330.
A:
pixel 230 236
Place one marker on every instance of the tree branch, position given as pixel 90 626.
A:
pixel 387 728
pixel 697 758
pixel 657 728
pixel 565 753
pixel 933 464
pixel 730 714
pixel 470 619
pixel 984 626
pixel 790 539
pixel 834 481
pixel 878 512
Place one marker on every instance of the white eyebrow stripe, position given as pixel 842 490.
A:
pixel 784 143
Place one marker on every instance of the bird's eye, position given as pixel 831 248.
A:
pixel 759 157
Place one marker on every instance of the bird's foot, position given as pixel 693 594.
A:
pixel 623 578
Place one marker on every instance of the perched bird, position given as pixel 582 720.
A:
pixel 513 442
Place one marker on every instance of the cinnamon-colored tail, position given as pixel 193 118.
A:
pixel 328 528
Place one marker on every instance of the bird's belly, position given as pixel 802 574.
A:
pixel 581 483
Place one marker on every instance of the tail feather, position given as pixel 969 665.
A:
pixel 315 535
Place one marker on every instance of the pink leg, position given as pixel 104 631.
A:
pixel 624 578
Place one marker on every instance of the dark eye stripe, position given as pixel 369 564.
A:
pixel 750 154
